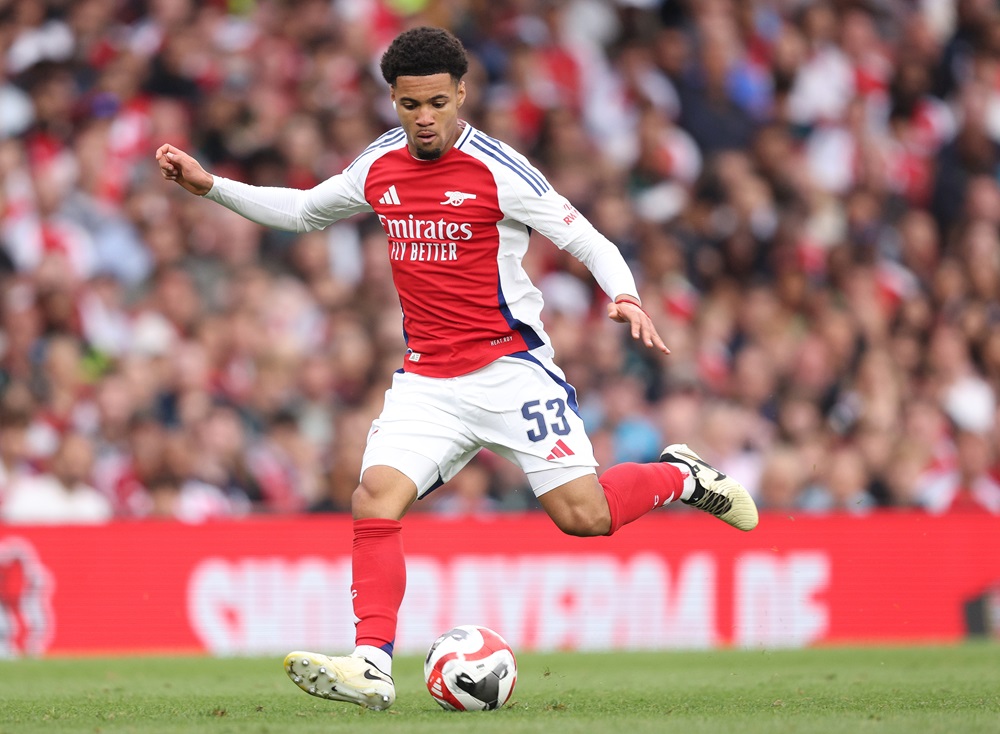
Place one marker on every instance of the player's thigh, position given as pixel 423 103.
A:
pixel 419 434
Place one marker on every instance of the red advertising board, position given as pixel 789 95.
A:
pixel 672 580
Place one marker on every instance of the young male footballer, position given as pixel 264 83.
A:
pixel 457 207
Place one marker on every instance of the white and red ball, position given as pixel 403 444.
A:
pixel 470 668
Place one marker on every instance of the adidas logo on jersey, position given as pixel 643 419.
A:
pixel 456 198
pixel 390 197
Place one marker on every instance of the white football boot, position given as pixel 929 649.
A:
pixel 716 493
pixel 351 679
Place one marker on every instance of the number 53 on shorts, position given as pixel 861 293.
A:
pixel 543 419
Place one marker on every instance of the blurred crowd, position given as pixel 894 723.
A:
pixel 807 192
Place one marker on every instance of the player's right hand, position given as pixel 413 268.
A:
pixel 641 326
pixel 176 165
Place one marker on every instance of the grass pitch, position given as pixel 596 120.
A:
pixel 927 690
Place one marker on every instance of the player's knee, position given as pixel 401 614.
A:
pixel 367 502
pixel 361 500
pixel 583 521
pixel 382 493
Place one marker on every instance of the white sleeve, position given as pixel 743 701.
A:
pixel 553 216
pixel 293 210
pixel 603 258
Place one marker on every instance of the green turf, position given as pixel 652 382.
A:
pixel 926 690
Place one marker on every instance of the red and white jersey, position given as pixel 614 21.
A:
pixel 457 229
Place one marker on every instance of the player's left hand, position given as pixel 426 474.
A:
pixel 626 312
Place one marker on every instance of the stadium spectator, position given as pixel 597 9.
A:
pixel 843 485
pixel 781 480
pixel 125 468
pixel 60 495
pixel 13 449
pixel 970 485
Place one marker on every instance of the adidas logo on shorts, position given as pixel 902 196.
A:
pixel 559 450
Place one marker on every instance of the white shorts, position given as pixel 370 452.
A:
pixel 519 406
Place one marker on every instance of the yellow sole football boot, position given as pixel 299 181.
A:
pixel 351 679
pixel 716 493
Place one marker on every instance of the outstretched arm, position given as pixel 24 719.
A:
pixel 292 210
pixel 176 165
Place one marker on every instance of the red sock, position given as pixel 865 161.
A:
pixel 635 489
pixel 379 580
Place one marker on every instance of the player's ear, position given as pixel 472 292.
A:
pixel 461 93
pixel 392 96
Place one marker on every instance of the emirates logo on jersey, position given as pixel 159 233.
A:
pixel 430 230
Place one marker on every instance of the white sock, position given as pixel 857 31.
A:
pixel 689 481
pixel 375 655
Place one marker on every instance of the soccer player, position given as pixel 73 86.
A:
pixel 457 207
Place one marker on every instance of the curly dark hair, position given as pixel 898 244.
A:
pixel 424 51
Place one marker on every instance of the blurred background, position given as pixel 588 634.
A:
pixel 807 193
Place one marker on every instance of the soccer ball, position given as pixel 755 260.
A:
pixel 470 668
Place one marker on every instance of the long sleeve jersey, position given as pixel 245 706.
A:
pixel 457 229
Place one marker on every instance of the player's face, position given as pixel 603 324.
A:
pixel 428 110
